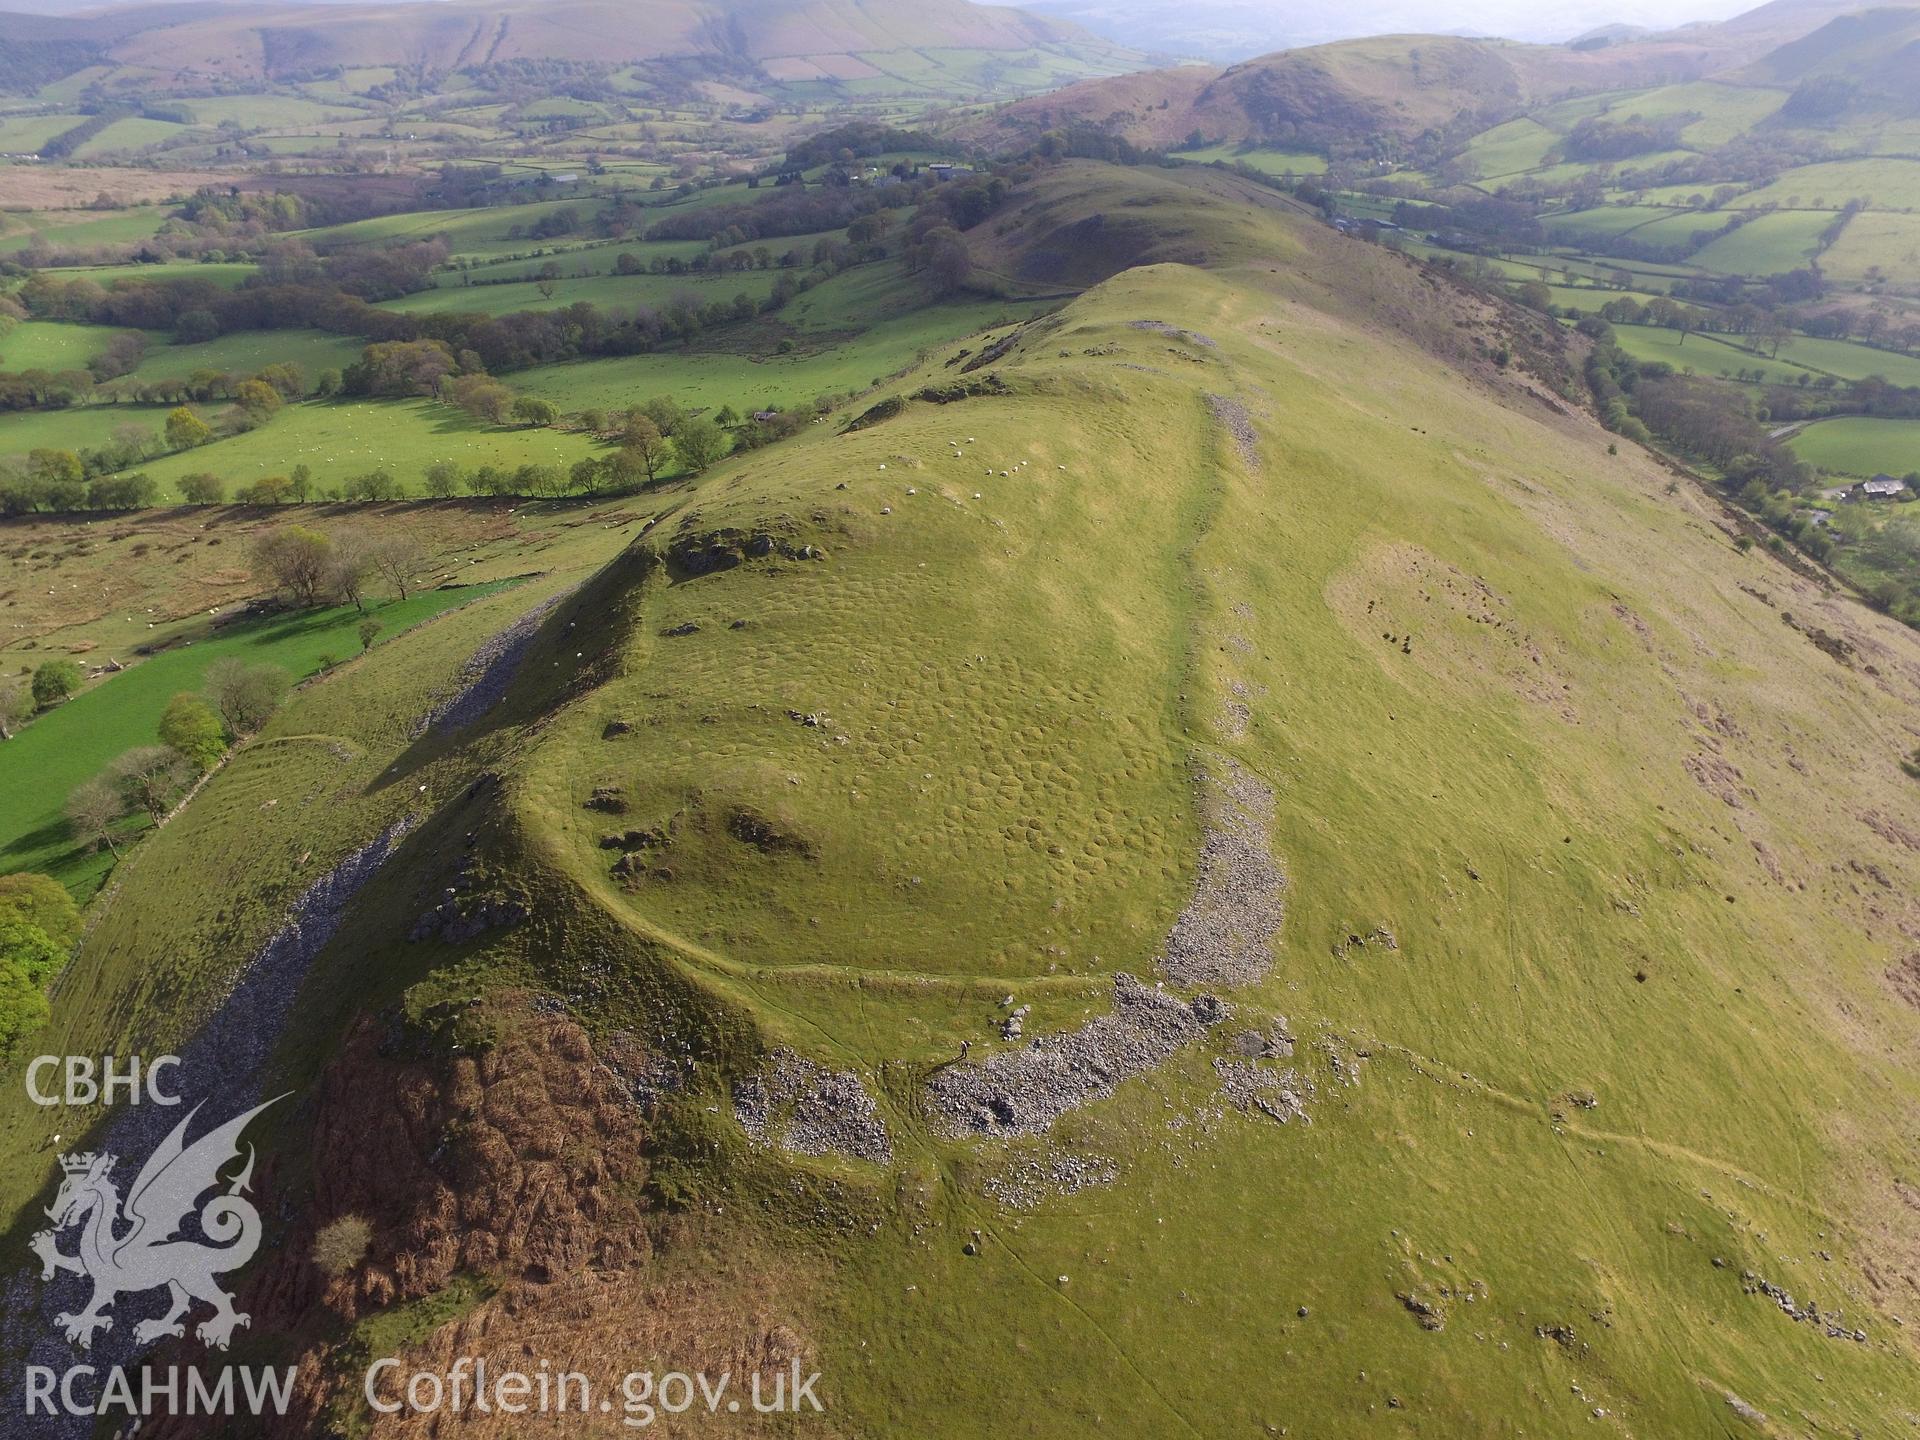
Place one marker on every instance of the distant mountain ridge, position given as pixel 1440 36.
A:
pixel 1871 56
pixel 1405 86
pixel 183 45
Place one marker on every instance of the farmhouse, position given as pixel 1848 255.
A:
pixel 1882 487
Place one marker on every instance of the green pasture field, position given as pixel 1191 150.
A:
pixel 1643 270
pixel 1851 360
pixel 1563 115
pixel 1607 221
pixel 1887 184
pixel 307 144
pixel 51 345
pixel 1588 299
pixel 78 427
pixel 1896 137
pixel 483 232
pixel 594 256
pixel 1726 111
pixel 338 439
pixel 829 365
pixel 25 134
pixel 65 229
pixel 1702 354
pixel 75 741
pixel 1269 162
pixel 1860 445
pixel 1694 196
pixel 561 107
pixel 1711 354
pixel 613 292
pixel 247 352
pixel 1679 227
pixel 133 133
pixel 1643 275
pixel 69 90
pixel 1767 244
pixel 258 112
pixel 1510 149
pixel 1877 240
pixel 226 274
pixel 1573 170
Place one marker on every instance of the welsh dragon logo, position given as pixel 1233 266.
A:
pixel 133 1244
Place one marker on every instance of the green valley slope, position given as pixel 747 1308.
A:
pixel 1587 1032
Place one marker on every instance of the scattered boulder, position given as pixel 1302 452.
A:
pixel 608 799
pixel 751 827
pixel 804 1107
pixel 1023 1092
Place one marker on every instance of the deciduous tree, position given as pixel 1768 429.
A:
pixel 297 559
pixel 186 430
pixel 54 681
pixel 648 448
pixel 245 695
pixel 700 443
pixel 202 489
pixel 400 560
pixel 534 412
pixel 43 901
pixel 191 726
pixel 16 705
pixel 150 778
pixel 92 810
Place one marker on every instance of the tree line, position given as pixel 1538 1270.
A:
pixel 39 926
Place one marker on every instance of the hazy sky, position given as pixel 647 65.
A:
pixel 1558 19
pixel 1520 19
pixel 1232 29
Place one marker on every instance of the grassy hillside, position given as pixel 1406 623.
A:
pixel 1583 1018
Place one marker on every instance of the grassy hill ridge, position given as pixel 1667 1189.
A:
pixel 1591 828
